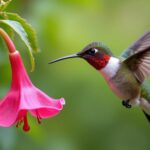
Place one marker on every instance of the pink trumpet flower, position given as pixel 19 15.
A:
pixel 23 96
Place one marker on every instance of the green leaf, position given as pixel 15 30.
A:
pixel 17 27
pixel 32 38
pixel 3 4
pixel 7 29
pixel 31 34
pixel 3 16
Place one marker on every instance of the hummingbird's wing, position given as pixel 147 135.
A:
pixel 139 64
pixel 140 45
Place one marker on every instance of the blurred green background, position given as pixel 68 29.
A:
pixel 93 117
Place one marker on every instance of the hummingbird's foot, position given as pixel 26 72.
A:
pixel 126 103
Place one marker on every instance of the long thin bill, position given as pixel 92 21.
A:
pixel 65 57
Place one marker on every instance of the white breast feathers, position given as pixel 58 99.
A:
pixel 111 68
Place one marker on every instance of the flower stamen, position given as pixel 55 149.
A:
pixel 26 126
pixel 38 117
pixel 19 122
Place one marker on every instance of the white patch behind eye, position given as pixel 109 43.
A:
pixel 96 50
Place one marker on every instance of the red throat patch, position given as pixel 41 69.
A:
pixel 99 62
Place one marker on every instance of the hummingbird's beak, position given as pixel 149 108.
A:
pixel 65 57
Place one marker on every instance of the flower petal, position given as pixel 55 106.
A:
pixel 34 100
pixel 44 112
pixel 9 109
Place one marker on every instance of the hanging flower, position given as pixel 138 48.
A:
pixel 23 96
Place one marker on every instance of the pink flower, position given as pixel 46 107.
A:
pixel 24 97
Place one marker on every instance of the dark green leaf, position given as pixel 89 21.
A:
pixel 28 29
pixel 17 27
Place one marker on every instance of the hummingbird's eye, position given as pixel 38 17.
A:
pixel 92 51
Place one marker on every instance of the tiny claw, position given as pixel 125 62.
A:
pixel 126 103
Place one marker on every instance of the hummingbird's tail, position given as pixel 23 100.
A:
pixel 145 105
pixel 146 115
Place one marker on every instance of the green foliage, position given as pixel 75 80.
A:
pixel 17 27
pixel 4 4
pixel 15 23
pixel 30 32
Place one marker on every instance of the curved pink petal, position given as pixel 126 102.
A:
pixel 44 112
pixel 36 101
pixel 9 108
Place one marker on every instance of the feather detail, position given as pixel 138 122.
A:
pixel 138 57
pixel 98 45
pixel 139 63
pixel 140 45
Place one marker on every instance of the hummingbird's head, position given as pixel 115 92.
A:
pixel 95 53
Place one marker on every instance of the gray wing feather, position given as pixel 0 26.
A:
pixel 138 57
pixel 140 45
pixel 139 64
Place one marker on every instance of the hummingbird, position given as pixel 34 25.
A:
pixel 126 74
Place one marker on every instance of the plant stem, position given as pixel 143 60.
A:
pixel 8 41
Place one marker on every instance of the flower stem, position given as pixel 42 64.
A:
pixel 9 42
